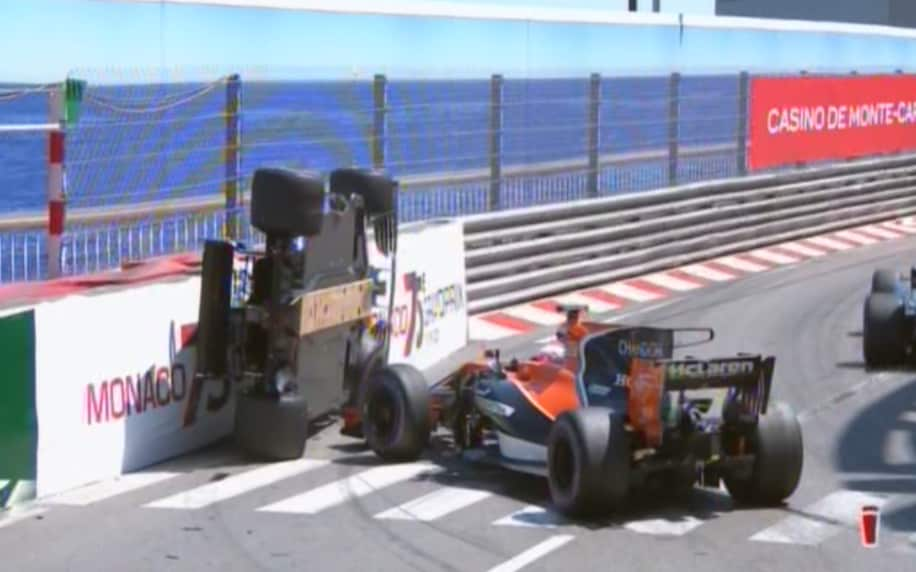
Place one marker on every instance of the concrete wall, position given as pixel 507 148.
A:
pixel 856 11
pixel 902 13
pixel 51 38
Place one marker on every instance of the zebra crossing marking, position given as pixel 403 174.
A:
pixel 104 490
pixel 819 521
pixel 235 485
pixel 436 504
pixel 359 485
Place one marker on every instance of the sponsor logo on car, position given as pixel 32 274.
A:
pixel 641 349
pixel 706 370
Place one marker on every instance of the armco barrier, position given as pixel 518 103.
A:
pixel 516 256
pixel 113 365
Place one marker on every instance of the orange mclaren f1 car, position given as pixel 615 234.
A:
pixel 609 413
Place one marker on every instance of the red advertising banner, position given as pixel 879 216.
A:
pixel 807 119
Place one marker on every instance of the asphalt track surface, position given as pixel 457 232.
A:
pixel 341 509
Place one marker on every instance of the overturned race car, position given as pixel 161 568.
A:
pixel 610 412
pixel 293 328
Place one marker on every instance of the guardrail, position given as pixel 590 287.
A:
pixel 516 256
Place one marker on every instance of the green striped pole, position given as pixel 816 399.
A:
pixel 18 412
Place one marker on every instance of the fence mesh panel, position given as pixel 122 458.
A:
pixel 147 140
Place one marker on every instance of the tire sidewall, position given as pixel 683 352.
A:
pixel 409 399
pixel 600 461
pixel 883 329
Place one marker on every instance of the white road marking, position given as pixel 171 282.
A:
pixel 708 273
pixel 882 233
pixel 348 488
pixel 594 305
pixel 14 515
pixel 629 292
pixel 908 417
pixel 436 504
pixel 480 329
pixel 532 516
pixel 534 315
pixel 96 492
pixel 825 519
pixel 829 243
pixel 537 551
pixel 802 249
pixel 669 282
pixel 235 485
pixel 741 264
pixel 665 526
pixel 851 236
pixel 774 257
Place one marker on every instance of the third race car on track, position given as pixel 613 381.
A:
pixel 611 412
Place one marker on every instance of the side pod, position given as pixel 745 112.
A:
pixel 213 312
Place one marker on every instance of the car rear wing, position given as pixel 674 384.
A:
pixel 747 378
pixel 719 373
pixel 750 376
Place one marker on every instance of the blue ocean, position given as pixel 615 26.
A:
pixel 136 143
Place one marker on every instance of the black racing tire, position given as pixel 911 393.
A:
pixel 271 428
pixel 883 331
pixel 213 308
pixel 379 192
pixel 588 462
pixel 287 203
pixel 359 389
pixel 778 450
pixel 884 281
pixel 396 413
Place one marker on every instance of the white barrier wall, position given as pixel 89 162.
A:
pixel 115 383
pixel 429 320
pixel 115 387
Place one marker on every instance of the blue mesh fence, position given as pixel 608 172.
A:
pixel 143 144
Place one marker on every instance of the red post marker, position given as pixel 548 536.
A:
pixel 868 526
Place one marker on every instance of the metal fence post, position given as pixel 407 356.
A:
pixel 741 131
pixel 56 181
pixel 673 126
pixel 233 155
pixel 496 130
pixel 594 132
pixel 379 122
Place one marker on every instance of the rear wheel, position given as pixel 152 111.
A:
pixel 883 331
pixel 884 281
pixel 396 414
pixel 588 461
pixel 779 452
pixel 287 203
pixel 271 427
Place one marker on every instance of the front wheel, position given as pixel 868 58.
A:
pixel 588 461
pixel 884 281
pixel 883 330
pixel 396 413
pixel 778 458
